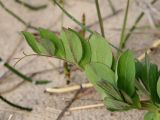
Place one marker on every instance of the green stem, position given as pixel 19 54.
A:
pixel 100 18
pixel 135 25
pixel 15 105
pixel 24 77
pixel 17 17
pixel 122 41
pixel 80 24
pixel 112 7
pixel 83 31
pixel 71 17
pixel 31 6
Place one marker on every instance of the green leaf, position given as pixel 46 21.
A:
pixel 101 51
pixel 86 57
pixel 33 43
pixel 110 90
pixel 126 73
pixel 157 116
pixel 113 64
pixel 48 46
pixel 72 45
pixel 123 33
pixel 139 70
pixel 50 36
pixel 145 72
pixel 141 88
pixel 136 101
pixel 153 79
pixel 149 116
pixel 152 116
pixel 115 105
pixel 158 87
pixel 126 97
pixel 96 72
pixel 149 77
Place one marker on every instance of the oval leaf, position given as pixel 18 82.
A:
pixel 110 90
pixel 96 72
pixel 36 47
pixel 48 35
pixel 72 46
pixel 86 57
pixel 158 87
pixel 101 51
pixel 149 116
pixel 153 79
pixel 126 73
pixel 115 105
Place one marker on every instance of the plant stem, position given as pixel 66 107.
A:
pixel 112 7
pixel 100 18
pixel 80 24
pixel 15 105
pixel 69 104
pixel 31 6
pixel 71 17
pixel 22 75
pixel 122 41
pixel 104 18
pixel 83 31
pixel 17 17
pixel 135 25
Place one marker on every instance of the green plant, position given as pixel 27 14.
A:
pixel 121 82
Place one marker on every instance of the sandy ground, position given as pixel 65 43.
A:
pixel 46 106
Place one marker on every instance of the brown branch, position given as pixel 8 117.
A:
pixel 69 104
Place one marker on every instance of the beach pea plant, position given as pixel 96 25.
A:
pixel 124 83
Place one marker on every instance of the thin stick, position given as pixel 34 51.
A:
pixel 83 31
pixel 12 88
pixel 31 7
pixel 112 7
pixel 17 17
pixel 68 89
pixel 15 105
pixel 8 73
pixel 104 18
pixel 43 71
pixel 70 16
pixel 135 25
pixel 69 104
pixel 86 107
pixel 100 18
pixel 11 56
pixel 22 75
pixel 124 26
pixel 30 75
